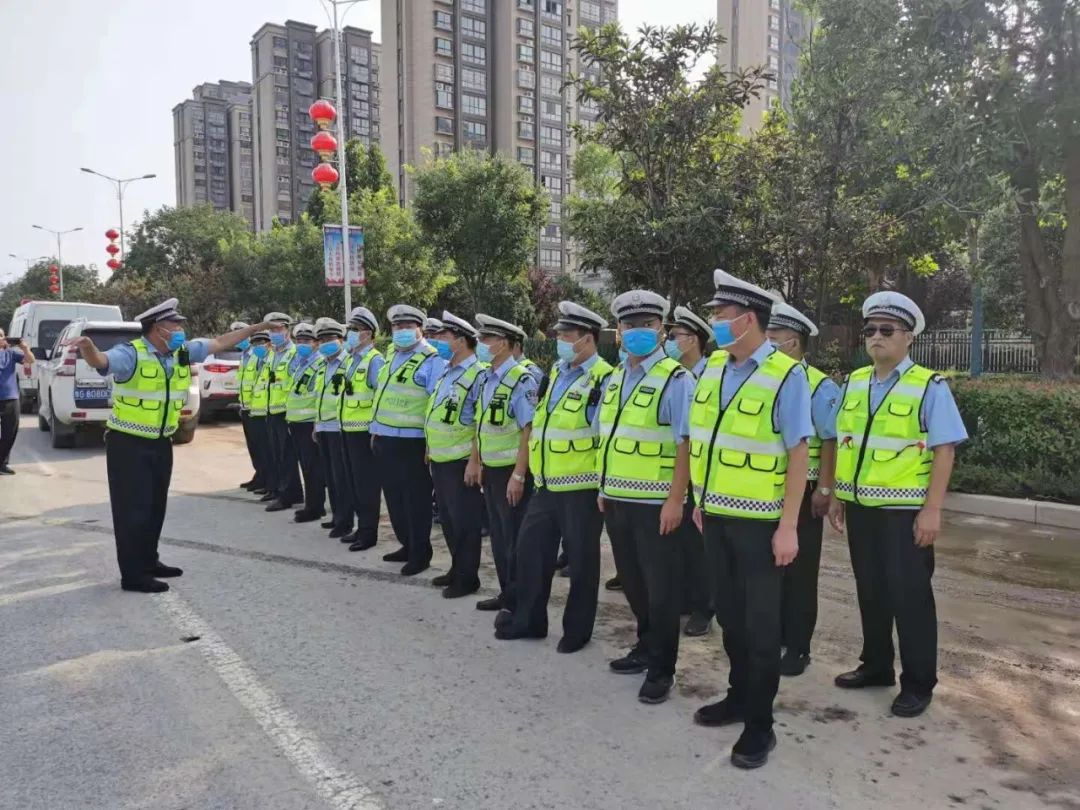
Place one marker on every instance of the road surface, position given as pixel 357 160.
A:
pixel 283 671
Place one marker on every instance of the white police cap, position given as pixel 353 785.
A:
pixel 575 316
pixel 263 335
pixel 403 313
pixel 731 290
pixel 364 317
pixel 640 302
pixel 303 330
pixel 685 317
pixel 328 327
pixel 496 328
pixel 432 326
pixel 165 311
pixel 279 318
pixel 785 316
pixel 889 304
pixel 460 326
pixel 237 325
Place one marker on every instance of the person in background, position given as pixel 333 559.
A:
pixel 532 368
pixel 301 403
pixel 432 328
pixel 329 389
pixel 258 375
pixel 614 583
pixel 282 359
pixel 245 381
pixel 897 427
pixel 11 357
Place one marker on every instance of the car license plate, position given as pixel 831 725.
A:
pixel 229 385
pixel 92 397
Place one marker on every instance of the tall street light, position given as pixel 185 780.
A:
pixel 59 257
pixel 27 259
pixel 121 184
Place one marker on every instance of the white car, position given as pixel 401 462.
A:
pixel 73 398
pixel 218 386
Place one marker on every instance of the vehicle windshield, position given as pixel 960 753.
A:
pixel 48 332
pixel 105 339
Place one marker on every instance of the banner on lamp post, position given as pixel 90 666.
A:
pixel 334 256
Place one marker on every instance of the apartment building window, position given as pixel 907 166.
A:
pixel 473 27
pixel 444 96
pixel 304 87
pixel 282 134
pixel 526 104
pixel 551 136
pixel 473 79
pixel 551 35
pixel 555 209
pixel 526 79
pixel 590 11
pixel 444 47
pixel 551 85
pixel 774 42
pixel 475 6
pixel 442 149
pixel 361 126
pixel 360 73
pixel 281 42
pixel 552 231
pixel 303 66
pixel 526 130
pixel 526 53
pixel 358 54
pixel 525 28
pixel 551 110
pixel 476 54
pixel 444 21
pixel 774 63
pixel 526 155
pixel 474 130
pixel 774 4
pixel 444 72
pixel 552 8
pixel 525 4
pixel 473 105
pixel 444 125
pixel 774 22
pixel 281 80
pixel 549 257
pixel 281 62
pixel 551 159
pixel 281 116
pixel 550 59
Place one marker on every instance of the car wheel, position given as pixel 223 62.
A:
pixel 26 405
pixel 185 433
pixel 63 436
pixel 43 424
pixel 205 415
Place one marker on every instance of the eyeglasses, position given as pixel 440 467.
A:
pixel 886 329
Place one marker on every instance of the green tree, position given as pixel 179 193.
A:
pixel 367 170
pixel 80 284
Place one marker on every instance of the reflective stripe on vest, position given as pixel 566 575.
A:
pixel 636 454
pixel 498 433
pixel 149 404
pixel 738 461
pixel 302 400
pixel 400 401
pixel 447 438
pixel 356 404
pixel 260 389
pixel 562 447
pixel 813 470
pixel 280 380
pixel 328 393
pixel 882 459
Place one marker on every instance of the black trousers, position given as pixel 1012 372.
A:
pixel 364 480
pixel 139 473
pixel 336 473
pixel 288 490
pixel 575 518
pixel 9 427
pixel 800 599
pixel 460 508
pixel 893 582
pixel 264 451
pixel 253 454
pixel 311 466
pixel 407 487
pixel 650 569
pixel 696 588
pixel 747 597
pixel 504 522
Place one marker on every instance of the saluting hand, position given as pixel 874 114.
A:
pixel 785 545
pixel 927 526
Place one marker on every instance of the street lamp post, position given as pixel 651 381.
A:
pixel 27 259
pixel 121 184
pixel 59 257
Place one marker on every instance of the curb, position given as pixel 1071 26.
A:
pixel 1065 516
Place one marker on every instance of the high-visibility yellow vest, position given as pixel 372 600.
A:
pixel 882 459
pixel 149 404
pixel 401 401
pixel 328 392
pixel 738 461
pixel 359 397
pixel 245 378
pixel 302 400
pixel 497 432
pixel 562 447
pixel 635 459
pixel 280 380
pixel 260 388
pixel 447 438
pixel 815 377
pixel 534 370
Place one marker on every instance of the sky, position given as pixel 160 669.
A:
pixel 93 82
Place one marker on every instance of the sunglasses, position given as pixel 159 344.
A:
pixel 887 330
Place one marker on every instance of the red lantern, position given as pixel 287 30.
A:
pixel 111 234
pixel 54 288
pixel 322 112
pixel 325 175
pixel 113 264
pixel 54 274
pixel 112 250
pixel 325 144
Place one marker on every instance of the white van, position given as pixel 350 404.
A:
pixel 39 323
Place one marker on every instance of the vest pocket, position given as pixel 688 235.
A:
pixel 850 419
pixel 572 405
pixel 643 399
pixel 558 445
pixel 897 419
pixel 703 393
pixel 747 416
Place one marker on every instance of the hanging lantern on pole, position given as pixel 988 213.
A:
pixel 325 144
pixel 112 234
pixel 54 279
pixel 113 264
pixel 325 175
pixel 322 112
pixel 112 250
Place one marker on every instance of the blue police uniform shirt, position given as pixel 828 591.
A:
pixel 9 361
pixel 427 375
pixel 822 403
pixel 446 385
pixel 566 375
pixel 122 358
pixel 699 367
pixel 298 363
pixel 331 367
pixel 522 400
pixel 535 372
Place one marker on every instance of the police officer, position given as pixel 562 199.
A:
pixel 687 338
pixel 432 328
pixel 532 368
pixel 643 463
pixel 258 376
pixel 361 379
pixel 151 377
pixel 329 389
pixel 244 384
pixel 450 430
pixel 501 458
pixel 897 427
pixel 301 403
pixel 289 491
pixel 397 430
pixel 748 429
pixel 562 460
pixel 789 330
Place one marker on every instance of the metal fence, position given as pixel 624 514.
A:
pixel 1003 352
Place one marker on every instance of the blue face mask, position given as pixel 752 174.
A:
pixel 327 349
pixel 566 351
pixel 352 340
pixel 623 354
pixel 483 353
pixel 672 349
pixel 405 338
pixel 243 344
pixel 277 338
pixel 641 341
pixel 260 350
pixel 176 340
pixel 304 349
pixel 442 347
pixel 722 332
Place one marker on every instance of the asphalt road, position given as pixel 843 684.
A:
pixel 284 672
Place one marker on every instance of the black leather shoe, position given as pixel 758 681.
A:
pixel 698 624
pixel 249 484
pixel 908 704
pixel 258 490
pixel 165 571
pixel 656 690
pixel 147 585
pixel 278 506
pixel 503 618
pixel 860 679
pixel 401 555
pixel 507 634
pixel 458 591
pixel 722 713
pixel 413 568
pixel 340 532
pixel 6 470
pixel 793 664
pixel 752 749
pixel 613 584
pixel 492 604
pixel 304 516
pixel 269 496
pixel 442 580
pixel 327 524
pixel 362 545
pixel 567 646
pixel 633 663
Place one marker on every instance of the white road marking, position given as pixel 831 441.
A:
pixel 339 788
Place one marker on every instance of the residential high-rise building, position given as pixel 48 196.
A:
pixel 213 148
pixel 490 75
pixel 762 33
pixel 360 85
